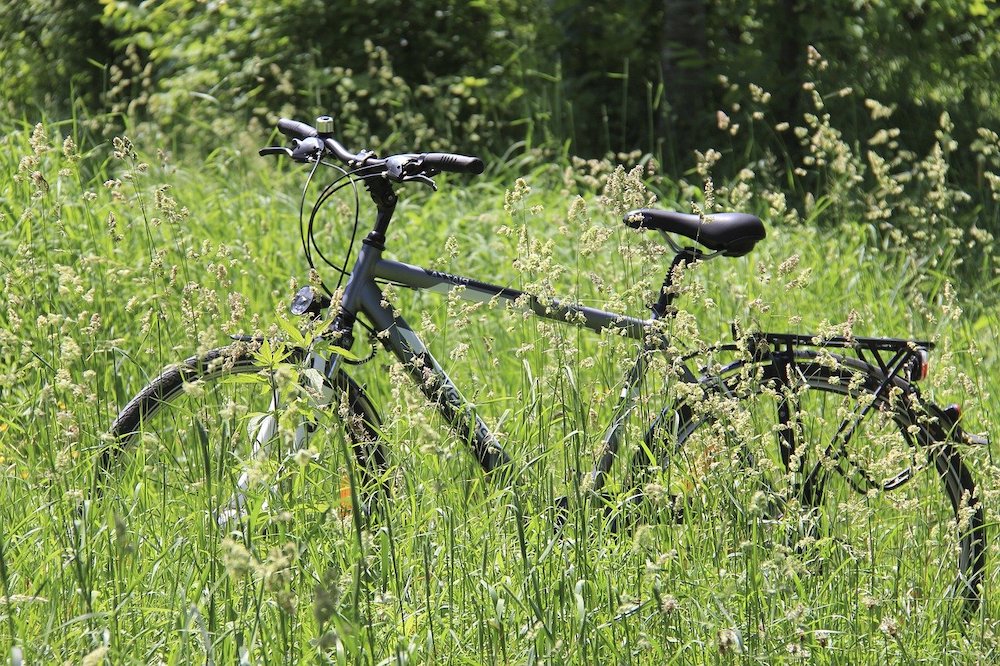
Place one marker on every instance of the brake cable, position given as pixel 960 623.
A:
pixel 308 237
pixel 302 231
pixel 327 193
pixel 323 197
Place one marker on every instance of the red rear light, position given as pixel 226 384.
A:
pixel 920 365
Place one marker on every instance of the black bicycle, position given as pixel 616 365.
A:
pixel 822 435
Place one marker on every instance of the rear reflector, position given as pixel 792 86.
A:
pixel 919 367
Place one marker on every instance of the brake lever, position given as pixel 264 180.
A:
pixel 421 178
pixel 275 150
pixel 307 150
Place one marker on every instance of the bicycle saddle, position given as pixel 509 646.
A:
pixel 732 234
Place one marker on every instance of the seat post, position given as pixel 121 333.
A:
pixel 667 295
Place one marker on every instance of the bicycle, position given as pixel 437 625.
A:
pixel 845 419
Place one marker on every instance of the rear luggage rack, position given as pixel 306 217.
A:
pixel 895 357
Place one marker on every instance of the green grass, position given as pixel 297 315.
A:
pixel 107 282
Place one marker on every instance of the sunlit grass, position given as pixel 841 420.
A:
pixel 115 267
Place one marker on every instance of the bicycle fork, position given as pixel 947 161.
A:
pixel 263 430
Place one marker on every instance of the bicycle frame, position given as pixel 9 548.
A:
pixel 362 295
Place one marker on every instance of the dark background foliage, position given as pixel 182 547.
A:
pixel 624 74
pixel 583 78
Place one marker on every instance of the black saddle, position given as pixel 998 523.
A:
pixel 732 234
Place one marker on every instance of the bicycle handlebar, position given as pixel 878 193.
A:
pixel 454 163
pixel 309 142
pixel 294 129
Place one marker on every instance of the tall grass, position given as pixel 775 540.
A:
pixel 119 261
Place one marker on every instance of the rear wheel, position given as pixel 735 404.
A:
pixel 851 472
pixel 201 421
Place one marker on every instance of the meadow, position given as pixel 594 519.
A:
pixel 119 259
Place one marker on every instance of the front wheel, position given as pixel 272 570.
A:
pixel 851 471
pixel 225 418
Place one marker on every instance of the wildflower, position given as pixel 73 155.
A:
pixel 22 599
pixel 515 196
pixel 656 493
pixel 69 350
pixel 69 149
pixel 303 457
pixel 980 235
pixel 93 326
pixel 758 94
pixel 644 539
pixel 63 380
pixel 889 627
pixel 788 265
pixel 39 140
pixel 669 605
pixel 577 211
pixel 123 149
pixel 877 110
pixel 96 657
pixel 796 650
pixel 41 185
pixel 707 160
pixel 26 164
pixel 327 597
pixel 815 59
pixel 278 572
pixel 709 206
pixel 236 559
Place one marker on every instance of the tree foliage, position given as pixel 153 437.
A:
pixel 382 66
pixel 51 50
pixel 646 74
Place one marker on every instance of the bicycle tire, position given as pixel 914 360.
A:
pixel 897 421
pixel 158 401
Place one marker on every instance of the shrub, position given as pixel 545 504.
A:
pixel 388 68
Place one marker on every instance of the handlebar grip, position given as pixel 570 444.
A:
pixel 294 129
pixel 453 163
